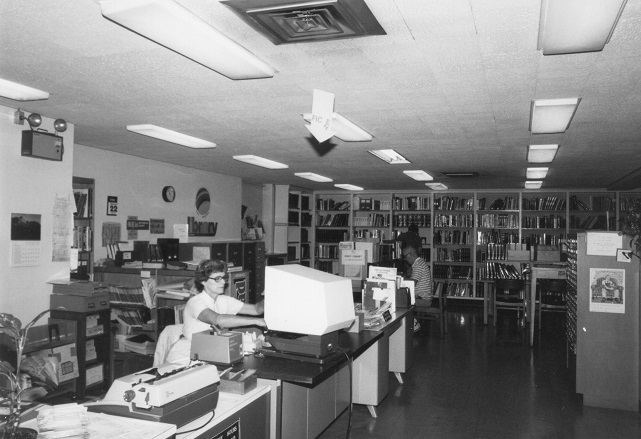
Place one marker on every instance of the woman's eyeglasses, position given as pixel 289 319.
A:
pixel 217 279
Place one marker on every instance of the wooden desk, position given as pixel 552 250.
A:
pixel 541 271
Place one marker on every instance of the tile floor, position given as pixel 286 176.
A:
pixel 484 382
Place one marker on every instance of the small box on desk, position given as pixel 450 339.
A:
pixel 218 348
pixel 237 382
pixel 358 324
pixel 70 302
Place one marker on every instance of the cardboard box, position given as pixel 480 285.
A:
pixel 518 255
pixel 80 303
pixel 232 382
pixel 66 359
pixel 546 253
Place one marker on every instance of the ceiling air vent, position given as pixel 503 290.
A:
pixel 461 174
pixel 288 21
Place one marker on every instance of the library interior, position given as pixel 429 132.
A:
pixel 428 215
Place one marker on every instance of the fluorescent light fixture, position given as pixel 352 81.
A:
pixel 541 153
pixel 170 136
pixel 419 175
pixel 171 25
pixel 345 129
pixel 548 116
pixel 390 156
pixel 575 26
pixel 259 161
pixel 313 177
pixel 536 173
pixel 532 184
pixel 436 186
pixel 349 187
pixel 19 92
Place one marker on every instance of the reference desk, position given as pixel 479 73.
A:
pixel 306 397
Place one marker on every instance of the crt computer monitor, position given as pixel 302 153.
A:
pixel 303 300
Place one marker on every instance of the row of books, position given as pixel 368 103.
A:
pixel 131 316
pixel 371 204
pixel 498 221
pixel 333 220
pixel 543 239
pixel 453 289
pixel 597 203
pixel 543 222
pixel 82 238
pixel 458 220
pixel 405 219
pixel 507 203
pixel 331 236
pixel 454 203
pixel 412 202
pixel 599 222
pixel 327 251
pixel 331 204
pixel 82 198
pixel 452 272
pixel 484 237
pixel 544 203
pixel 626 203
pixel 460 237
pixel 499 270
pixel 453 255
pixel 373 219
pixel 126 295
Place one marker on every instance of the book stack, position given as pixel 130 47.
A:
pixel 140 344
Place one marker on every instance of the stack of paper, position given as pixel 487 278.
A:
pixel 63 421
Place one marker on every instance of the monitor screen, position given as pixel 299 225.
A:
pixel 303 300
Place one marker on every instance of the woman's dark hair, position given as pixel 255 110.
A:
pixel 205 269
pixel 413 228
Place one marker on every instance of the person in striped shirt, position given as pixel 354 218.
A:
pixel 421 274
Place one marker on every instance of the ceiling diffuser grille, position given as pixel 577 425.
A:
pixel 287 21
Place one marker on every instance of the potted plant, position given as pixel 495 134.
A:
pixel 631 226
pixel 12 326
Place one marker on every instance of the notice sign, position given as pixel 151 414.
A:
pixel 137 225
pixel 231 432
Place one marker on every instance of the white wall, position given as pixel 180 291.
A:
pixel 138 184
pixel 29 185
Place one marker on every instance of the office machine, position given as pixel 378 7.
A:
pixel 217 347
pixel 175 397
pixel 305 308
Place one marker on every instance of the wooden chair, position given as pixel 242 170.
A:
pixel 509 294
pixel 437 310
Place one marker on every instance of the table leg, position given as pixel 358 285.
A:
pixel 485 302
pixel 532 306
pixel 372 411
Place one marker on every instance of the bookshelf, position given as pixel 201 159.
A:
pixel 94 349
pixel 543 218
pixel 83 228
pixel 371 216
pixel 453 244
pixel 332 224
pixel 591 211
pixel 468 233
pixel 299 228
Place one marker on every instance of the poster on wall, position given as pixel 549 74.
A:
pixel 607 290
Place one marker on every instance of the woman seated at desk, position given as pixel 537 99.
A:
pixel 211 307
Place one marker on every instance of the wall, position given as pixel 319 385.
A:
pixel 29 185
pixel 138 184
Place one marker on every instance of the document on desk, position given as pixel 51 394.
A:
pixel 103 426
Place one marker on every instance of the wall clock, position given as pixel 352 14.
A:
pixel 168 194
